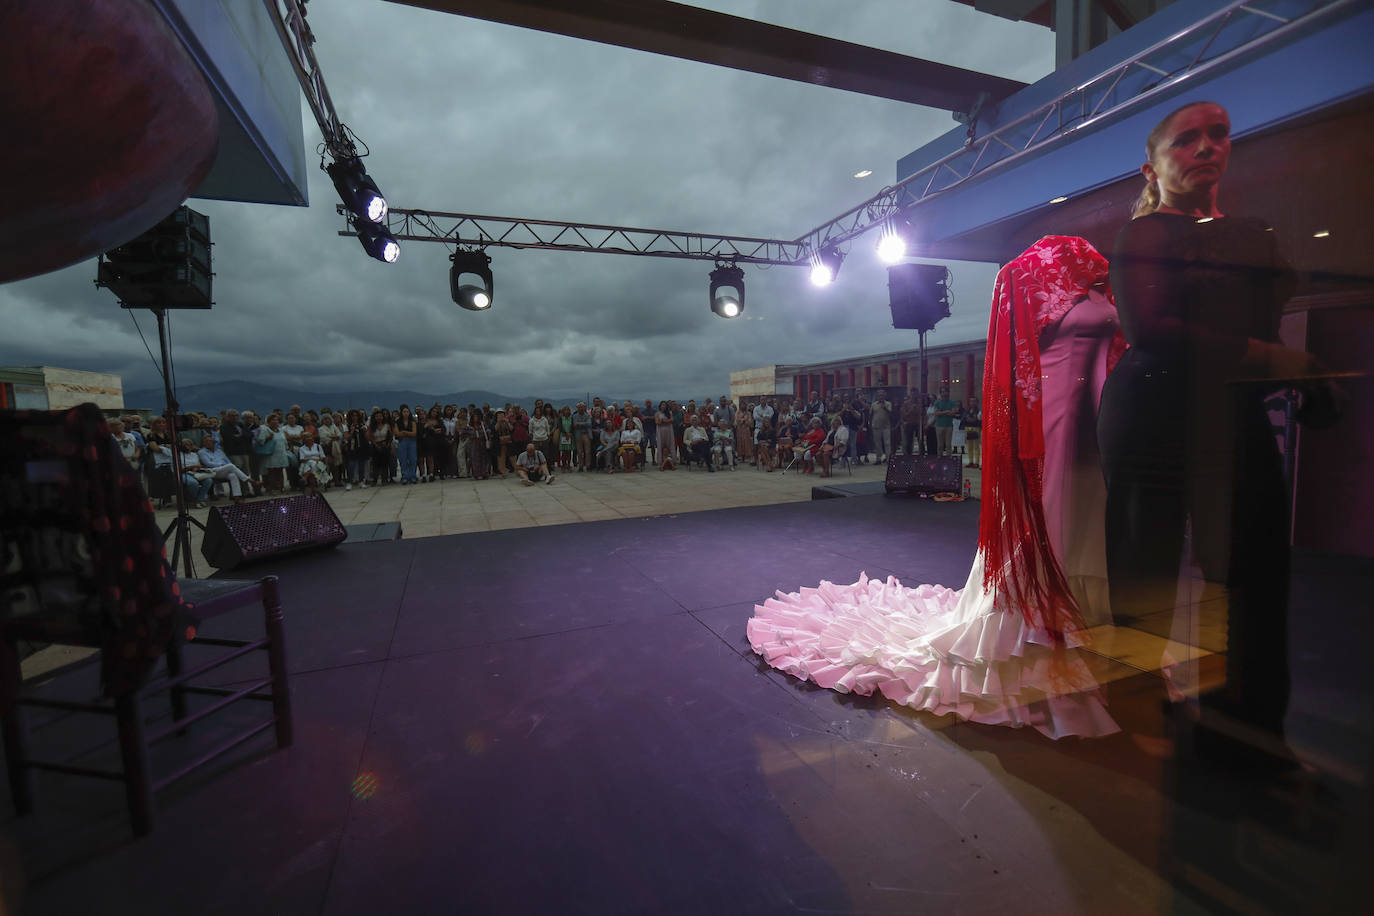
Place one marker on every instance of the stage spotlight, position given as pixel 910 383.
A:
pixel 358 191
pixel 825 265
pixel 470 296
pixel 891 247
pixel 376 240
pixel 728 304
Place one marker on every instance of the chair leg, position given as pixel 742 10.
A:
pixel 178 695
pixel 276 660
pixel 133 749
pixel 12 730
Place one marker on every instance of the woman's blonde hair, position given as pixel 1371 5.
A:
pixel 1149 199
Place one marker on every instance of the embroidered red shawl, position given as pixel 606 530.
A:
pixel 1034 290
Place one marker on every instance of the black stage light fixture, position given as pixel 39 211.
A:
pixel 825 265
pixel 898 238
pixel 729 304
pixel 918 294
pixel 376 240
pixel 474 262
pixel 358 191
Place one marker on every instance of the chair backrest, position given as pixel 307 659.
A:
pixel 81 557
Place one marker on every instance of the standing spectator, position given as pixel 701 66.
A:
pixel 849 416
pixel 381 435
pixel 973 432
pixel 944 411
pixel 541 432
pixel 532 466
pixel 502 431
pixel 357 449
pixel 519 431
pixel 648 416
pixel 566 441
pixel 479 445
pixel 816 406
pixel 697 442
pixel 912 424
pixel 744 435
pixel 330 435
pixel 679 421
pixel 271 445
pixel 762 411
pixel 663 427
pixel 582 436
pixel 882 427
pixel 406 451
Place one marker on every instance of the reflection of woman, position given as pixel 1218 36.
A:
pixel 1185 448
pixel 1004 649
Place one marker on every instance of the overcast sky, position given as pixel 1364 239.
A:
pixel 474 117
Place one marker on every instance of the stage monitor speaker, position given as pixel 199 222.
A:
pixel 927 475
pixel 268 529
pixel 918 295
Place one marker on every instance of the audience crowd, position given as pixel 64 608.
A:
pixel 250 453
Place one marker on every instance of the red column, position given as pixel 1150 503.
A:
pixel 905 367
pixel 868 376
pixel 796 386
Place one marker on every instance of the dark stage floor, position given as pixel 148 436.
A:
pixel 569 720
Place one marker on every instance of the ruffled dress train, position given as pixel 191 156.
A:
pixel 936 649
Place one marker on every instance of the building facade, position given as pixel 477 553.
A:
pixel 51 388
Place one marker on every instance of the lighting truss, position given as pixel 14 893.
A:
pixel 289 18
pixel 1237 30
pixel 509 232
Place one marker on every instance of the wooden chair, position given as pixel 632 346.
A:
pixel 81 564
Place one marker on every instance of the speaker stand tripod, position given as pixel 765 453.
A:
pixel 180 527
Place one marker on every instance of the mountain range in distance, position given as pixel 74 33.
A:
pixel 213 397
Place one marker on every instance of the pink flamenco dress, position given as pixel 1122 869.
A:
pixel 1004 649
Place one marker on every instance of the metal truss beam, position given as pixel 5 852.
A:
pixel 289 18
pixel 509 232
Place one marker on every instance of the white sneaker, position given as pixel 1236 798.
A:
pixel 362 486
pixel 551 477
pixel 347 487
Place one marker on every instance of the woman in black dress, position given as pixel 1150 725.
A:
pixel 1194 476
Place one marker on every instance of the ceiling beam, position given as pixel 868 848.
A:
pixel 691 33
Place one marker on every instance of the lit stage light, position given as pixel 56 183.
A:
pixel 471 296
pixel 376 240
pixel 359 192
pixel 891 247
pixel 731 277
pixel 825 265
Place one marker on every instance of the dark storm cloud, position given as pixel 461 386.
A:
pixel 474 117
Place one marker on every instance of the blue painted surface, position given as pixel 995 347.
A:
pixel 262 147
pixel 1309 72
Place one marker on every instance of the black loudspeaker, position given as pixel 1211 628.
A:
pixel 918 295
pixel 271 528
pixel 917 474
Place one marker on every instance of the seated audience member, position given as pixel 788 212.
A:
pixel 631 442
pixel 697 442
pixel 835 445
pixel 314 472
pixel 723 442
pixel 127 444
pixel 608 446
pixel 213 459
pixel 532 466
pixel 787 435
pixel 194 478
pixel 811 442
pixel 767 441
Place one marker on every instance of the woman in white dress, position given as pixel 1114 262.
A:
pixel 1004 649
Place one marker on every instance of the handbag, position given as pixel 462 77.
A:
pixel 265 446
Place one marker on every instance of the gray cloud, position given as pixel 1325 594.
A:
pixel 475 117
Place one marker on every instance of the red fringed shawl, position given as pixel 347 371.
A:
pixel 1034 290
